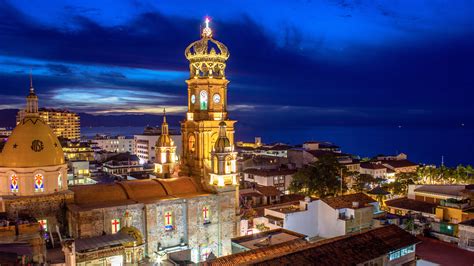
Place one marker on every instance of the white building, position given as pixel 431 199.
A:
pixel 115 144
pixel 375 169
pixel 144 146
pixel 79 173
pixel 326 218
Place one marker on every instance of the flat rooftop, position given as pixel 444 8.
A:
pixel 286 209
pixel 267 238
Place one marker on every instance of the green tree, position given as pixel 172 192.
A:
pixel 362 181
pixel 321 178
pixel 402 180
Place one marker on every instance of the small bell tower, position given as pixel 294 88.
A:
pixel 165 152
pixel 223 161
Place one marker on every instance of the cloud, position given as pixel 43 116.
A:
pixel 330 69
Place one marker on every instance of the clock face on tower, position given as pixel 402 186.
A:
pixel 216 98
pixel 193 99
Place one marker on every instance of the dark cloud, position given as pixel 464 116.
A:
pixel 373 83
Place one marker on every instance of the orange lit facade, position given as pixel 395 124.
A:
pixel 64 123
pixel 207 106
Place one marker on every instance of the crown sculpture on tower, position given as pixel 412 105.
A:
pixel 207 56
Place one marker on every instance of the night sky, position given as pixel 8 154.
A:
pixel 299 63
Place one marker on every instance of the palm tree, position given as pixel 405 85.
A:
pixel 423 173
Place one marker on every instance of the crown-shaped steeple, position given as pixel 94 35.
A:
pixel 207 56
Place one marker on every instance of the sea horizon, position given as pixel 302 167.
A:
pixel 424 145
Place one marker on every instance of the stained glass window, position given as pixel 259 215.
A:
pixel 44 224
pixel 39 183
pixel 115 225
pixel 14 183
pixel 168 220
pixel 206 214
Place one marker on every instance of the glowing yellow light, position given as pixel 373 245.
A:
pixel 220 181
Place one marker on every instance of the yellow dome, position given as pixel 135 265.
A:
pixel 222 143
pixel 133 232
pixel 32 144
pixel 164 141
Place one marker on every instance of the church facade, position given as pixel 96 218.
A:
pixel 185 217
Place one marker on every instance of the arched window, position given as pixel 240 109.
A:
pixel 14 183
pixel 39 183
pixel 228 165
pixel 215 164
pixel 192 143
pixel 203 100
pixel 60 181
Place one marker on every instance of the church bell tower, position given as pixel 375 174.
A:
pixel 165 152
pixel 207 105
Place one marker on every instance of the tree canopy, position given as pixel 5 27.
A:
pixel 321 178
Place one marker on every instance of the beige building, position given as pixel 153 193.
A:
pixel 64 123
pixel 375 169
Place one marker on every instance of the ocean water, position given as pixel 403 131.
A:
pixel 429 145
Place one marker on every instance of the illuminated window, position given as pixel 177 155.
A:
pixel 216 165
pixel 115 225
pixel 60 181
pixel 203 100
pixel 39 183
pixel 44 224
pixel 14 183
pixel 206 215
pixel 228 166
pixel 402 252
pixel 168 220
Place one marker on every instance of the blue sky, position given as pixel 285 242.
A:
pixel 302 62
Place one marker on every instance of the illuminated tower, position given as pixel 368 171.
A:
pixel 165 152
pixel 223 164
pixel 207 104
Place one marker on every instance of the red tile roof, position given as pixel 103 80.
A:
pixel 371 165
pixel 344 250
pixel 399 163
pixel 413 205
pixel 443 253
pixel 268 190
pixel 346 201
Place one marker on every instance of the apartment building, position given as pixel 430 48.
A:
pixel 64 123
